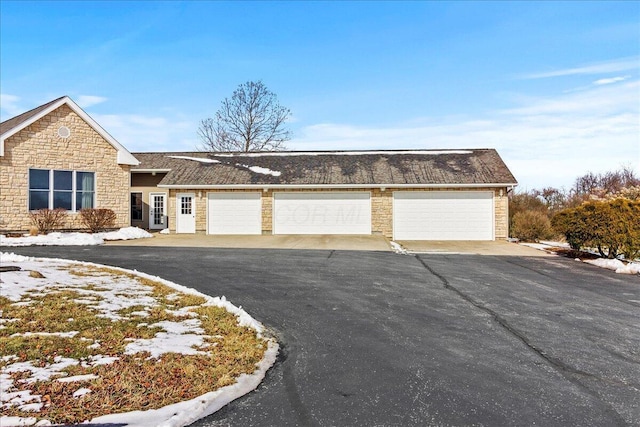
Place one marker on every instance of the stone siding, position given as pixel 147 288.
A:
pixel 39 146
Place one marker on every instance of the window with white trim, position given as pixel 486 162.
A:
pixel 53 189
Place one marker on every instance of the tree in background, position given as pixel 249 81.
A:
pixel 602 186
pixel 252 120
pixel 530 212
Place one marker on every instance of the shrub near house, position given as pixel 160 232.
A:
pixel 98 219
pixel 611 226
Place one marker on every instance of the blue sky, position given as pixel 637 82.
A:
pixel 553 86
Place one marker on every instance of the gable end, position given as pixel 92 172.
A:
pixel 16 124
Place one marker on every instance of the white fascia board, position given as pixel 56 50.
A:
pixel 334 186
pixel 150 170
pixel 124 156
pixel 31 120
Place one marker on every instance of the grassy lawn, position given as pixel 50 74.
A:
pixel 78 341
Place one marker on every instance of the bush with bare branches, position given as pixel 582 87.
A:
pixel 46 220
pixel 98 219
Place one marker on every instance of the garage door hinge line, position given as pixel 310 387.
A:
pixel 563 368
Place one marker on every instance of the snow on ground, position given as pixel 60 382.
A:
pixel 75 239
pixel 109 294
pixel 615 265
pixel 544 245
pixel 397 248
pixel 126 233
pixel 179 337
pixel 610 264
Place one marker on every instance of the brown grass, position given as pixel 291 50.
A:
pixel 133 382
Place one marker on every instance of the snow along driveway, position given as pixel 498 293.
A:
pixel 108 295
pixel 377 338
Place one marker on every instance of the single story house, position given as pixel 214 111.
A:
pixel 401 194
pixel 57 156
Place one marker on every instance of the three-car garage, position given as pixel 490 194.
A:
pixel 416 215
pixel 430 194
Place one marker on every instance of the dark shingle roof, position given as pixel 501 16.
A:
pixel 13 122
pixel 358 168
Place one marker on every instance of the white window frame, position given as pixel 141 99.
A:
pixel 51 190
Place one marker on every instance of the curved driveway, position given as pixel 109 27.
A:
pixel 380 339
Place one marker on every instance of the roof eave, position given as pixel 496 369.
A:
pixel 150 170
pixel 332 186
pixel 124 157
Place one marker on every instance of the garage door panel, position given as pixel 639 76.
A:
pixel 322 213
pixel 234 213
pixel 441 215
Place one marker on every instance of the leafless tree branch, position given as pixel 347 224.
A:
pixel 252 120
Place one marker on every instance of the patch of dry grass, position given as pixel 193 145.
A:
pixel 133 381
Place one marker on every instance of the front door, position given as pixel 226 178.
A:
pixel 186 213
pixel 157 211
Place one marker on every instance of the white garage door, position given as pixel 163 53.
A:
pixel 234 213
pixel 322 213
pixel 443 215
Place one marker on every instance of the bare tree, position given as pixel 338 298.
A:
pixel 553 198
pixel 252 120
pixel 605 183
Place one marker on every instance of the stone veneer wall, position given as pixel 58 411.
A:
pixel 381 208
pixel 39 146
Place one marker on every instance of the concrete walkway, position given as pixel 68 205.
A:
pixel 332 242
pixel 327 242
pixel 500 247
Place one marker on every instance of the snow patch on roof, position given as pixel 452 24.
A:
pixel 259 169
pixel 255 169
pixel 195 159
pixel 343 153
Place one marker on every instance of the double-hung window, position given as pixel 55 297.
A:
pixel 85 190
pixel 53 189
pixel 62 189
pixel 39 189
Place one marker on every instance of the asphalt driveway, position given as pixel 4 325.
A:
pixel 376 338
